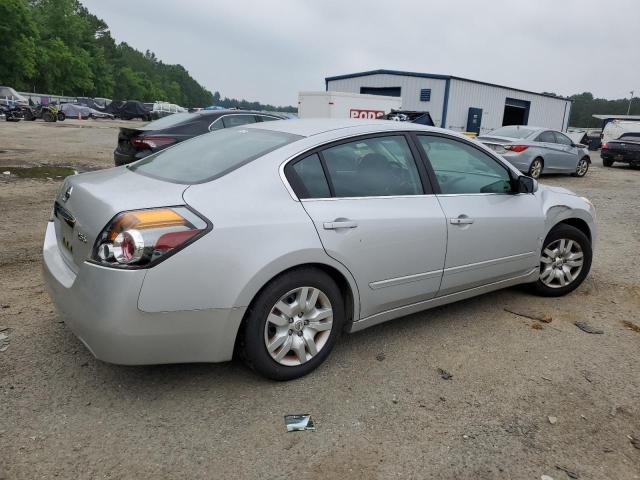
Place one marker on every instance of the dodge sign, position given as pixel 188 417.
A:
pixel 365 114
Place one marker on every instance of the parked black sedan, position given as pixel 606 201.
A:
pixel 137 143
pixel 625 149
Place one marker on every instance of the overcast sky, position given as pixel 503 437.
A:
pixel 269 50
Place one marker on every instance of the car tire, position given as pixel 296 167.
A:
pixel 292 327
pixel 582 167
pixel 607 162
pixel 554 283
pixel 536 167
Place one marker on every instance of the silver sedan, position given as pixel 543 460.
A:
pixel 270 240
pixel 535 150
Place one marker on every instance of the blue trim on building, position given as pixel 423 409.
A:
pixel 431 75
pixel 445 104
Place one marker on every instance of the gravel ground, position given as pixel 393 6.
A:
pixel 381 407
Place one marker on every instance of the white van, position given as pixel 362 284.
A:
pixel 616 128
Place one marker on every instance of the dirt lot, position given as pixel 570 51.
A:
pixel 381 407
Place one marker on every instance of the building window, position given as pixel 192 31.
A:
pixel 425 94
pixel 386 91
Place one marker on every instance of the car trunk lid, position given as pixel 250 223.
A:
pixel 87 202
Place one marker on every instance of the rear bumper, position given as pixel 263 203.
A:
pixel 100 306
pixel 125 158
pixel 620 156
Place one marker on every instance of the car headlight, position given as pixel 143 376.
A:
pixel 142 238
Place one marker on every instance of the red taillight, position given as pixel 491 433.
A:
pixel 141 238
pixel 152 141
pixel 605 146
pixel 516 148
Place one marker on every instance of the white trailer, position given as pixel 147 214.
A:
pixel 345 105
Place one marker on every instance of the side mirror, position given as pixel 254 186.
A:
pixel 526 184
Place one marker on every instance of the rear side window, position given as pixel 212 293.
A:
pixel 212 155
pixel 373 167
pixel 308 179
pixel 237 120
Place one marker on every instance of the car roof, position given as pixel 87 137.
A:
pixel 317 126
pixel 232 111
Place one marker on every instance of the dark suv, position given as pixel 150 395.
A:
pixel 137 143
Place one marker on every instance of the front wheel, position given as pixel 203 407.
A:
pixel 61 116
pixel 535 169
pixel 565 261
pixel 582 167
pixel 293 324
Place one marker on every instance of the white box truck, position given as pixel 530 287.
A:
pixel 345 105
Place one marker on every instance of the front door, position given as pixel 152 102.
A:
pixel 474 120
pixel 493 234
pixel 374 213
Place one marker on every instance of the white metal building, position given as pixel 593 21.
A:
pixel 459 103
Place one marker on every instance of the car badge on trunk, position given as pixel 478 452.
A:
pixel 67 194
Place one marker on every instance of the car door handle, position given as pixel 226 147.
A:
pixel 461 220
pixel 339 224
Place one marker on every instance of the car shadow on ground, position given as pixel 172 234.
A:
pixel 349 349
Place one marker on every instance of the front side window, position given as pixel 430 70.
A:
pixel 562 139
pixel 236 120
pixel 212 155
pixel 546 137
pixel 373 167
pixel 264 118
pixel 462 169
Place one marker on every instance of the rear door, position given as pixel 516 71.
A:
pixel 375 212
pixel 493 234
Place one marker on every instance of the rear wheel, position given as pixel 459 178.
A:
pixel 535 169
pixel 48 116
pixel 293 324
pixel 607 162
pixel 565 261
pixel 582 167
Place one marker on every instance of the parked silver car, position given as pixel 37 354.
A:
pixel 535 150
pixel 272 238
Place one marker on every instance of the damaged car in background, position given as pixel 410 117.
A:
pixel 536 151
pixel 140 142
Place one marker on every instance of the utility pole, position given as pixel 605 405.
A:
pixel 630 100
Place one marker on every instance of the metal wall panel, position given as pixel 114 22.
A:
pixel 410 92
pixel 544 112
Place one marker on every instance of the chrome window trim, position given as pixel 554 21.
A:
pixel 283 177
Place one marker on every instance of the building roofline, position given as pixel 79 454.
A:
pixel 437 77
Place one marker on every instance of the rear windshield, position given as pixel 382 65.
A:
pixel 512 132
pixel 170 120
pixel 211 155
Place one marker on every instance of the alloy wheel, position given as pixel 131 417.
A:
pixel 536 168
pixel 582 168
pixel 561 263
pixel 298 326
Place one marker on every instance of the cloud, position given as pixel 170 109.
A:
pixel 270 50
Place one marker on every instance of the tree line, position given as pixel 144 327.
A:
pixel 585 105
pixel 60 48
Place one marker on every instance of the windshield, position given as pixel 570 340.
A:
pixel 211 155
pixel 513 131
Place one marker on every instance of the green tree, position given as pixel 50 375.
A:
pixel 18 51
